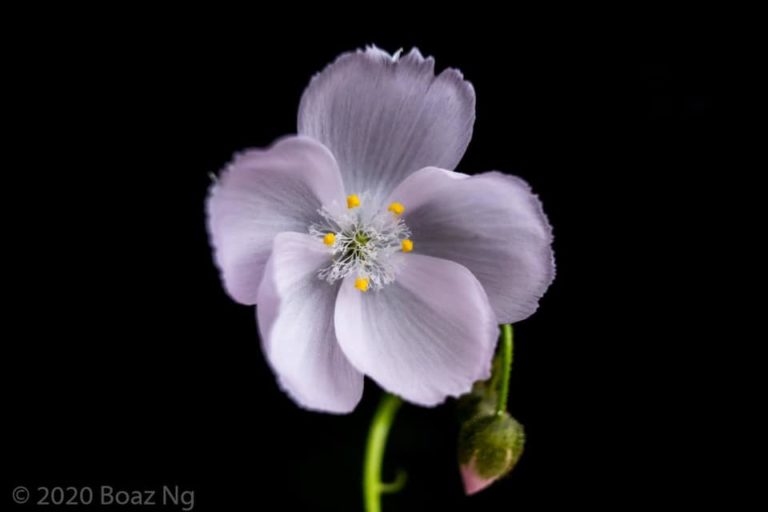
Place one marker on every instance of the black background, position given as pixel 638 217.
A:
pixel 125 364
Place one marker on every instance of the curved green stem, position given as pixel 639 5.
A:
pixel 506 367
pixel 381 423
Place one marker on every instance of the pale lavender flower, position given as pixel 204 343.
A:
pixel 364 252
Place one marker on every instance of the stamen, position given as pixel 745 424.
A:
pixel 406 245
pixel 396 208
pixel 353 201
pixel 360 245
pixel 361 283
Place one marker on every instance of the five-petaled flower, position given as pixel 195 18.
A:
pixel 364 252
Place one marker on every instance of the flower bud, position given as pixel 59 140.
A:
pixel 489 447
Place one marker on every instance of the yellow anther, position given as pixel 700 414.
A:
pixel 329 238
pixel 406 245
pixel 353 201
pixel 361 283
pixel 396 208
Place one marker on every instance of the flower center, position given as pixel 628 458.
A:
pixel 362 245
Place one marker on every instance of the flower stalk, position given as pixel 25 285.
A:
pixel 507 351
pixel 381 424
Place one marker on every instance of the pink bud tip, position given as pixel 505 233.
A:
pixel 473 482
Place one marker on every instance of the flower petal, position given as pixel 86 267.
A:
pixel 260 194
pixel 295 314
pixel 385 117
pixel 428 335
pixel 492 224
